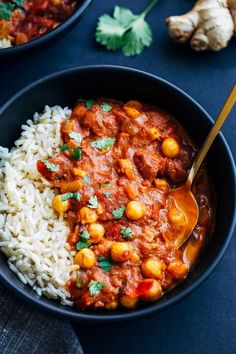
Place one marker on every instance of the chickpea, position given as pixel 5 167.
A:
pixel 85 258
pixel 60 206
pixel 177 218
pixel 87 215
pixel 154 292
pixel 152 268
pixel 178 269
pixel 111 305
pixel 170 148
pixel 135 210
pixel 97 232
pixel 128 301
pixel 121 251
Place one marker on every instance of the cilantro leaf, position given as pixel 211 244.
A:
pixel 76 136
pixel 104 263
pixel 86 179
pixel 106 107
pixel 65 147
pixel 127 233
pixel 50 166
pixel 125 30
pixel 106 185
pixel 103 144
pixel 107 194
pixel 85 236
pixel 77 153
pixel 118 213
pixel 6 9
pixel 95 287
pixel 18 3
pixel 82 244
pixel 93 202
pixel 67 196
pixel 89 103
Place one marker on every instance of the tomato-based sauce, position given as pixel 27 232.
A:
pixel 117 165
pixel 33 18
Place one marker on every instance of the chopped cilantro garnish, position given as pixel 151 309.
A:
pixel 85 235
pixel 81 244
pixel 103 144
pixel 18 3
pixel 50 166
pixel 67 196
pixel 6 9
pixel 95 287
pixel 107 194
pixel 126 233
pixel 89 103
pixel 93 202
pixel 106 107
pixel 77 153
pixel 104 263
pixel 118 213
pixel 86 179
pixel 76 136
pixel 65 147
pixel 106 185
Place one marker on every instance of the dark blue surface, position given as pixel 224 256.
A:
pixel 205 322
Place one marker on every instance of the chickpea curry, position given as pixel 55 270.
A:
pixel 24 20
pixel 117 165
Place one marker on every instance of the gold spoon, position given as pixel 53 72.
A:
pixel 183 196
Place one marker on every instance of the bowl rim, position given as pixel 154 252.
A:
pixel 156 307
pixel 49 35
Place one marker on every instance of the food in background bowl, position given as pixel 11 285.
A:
pixel 24 20
pixel 110 240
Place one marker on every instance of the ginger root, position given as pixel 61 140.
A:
pixel 209 25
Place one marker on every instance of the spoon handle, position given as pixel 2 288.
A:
pixel 228 105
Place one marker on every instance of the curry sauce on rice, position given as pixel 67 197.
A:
pixel 86 213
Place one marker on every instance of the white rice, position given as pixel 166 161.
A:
pixel 31 234
pixel 5 43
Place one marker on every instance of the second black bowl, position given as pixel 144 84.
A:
pixel 64 88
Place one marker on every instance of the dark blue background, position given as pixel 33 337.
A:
pixel 205 322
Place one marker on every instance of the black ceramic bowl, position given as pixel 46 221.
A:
pixel 50 36
pixel 64 88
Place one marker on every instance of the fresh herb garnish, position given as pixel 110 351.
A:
pixel 125 30
pixel 50 166
pixel 81 244
pixel 107 194
pixel 89 103
pixel 85 235
pixel 76 136
pixel 106 107
pixel 77 153
pixel 6 9
pixel 70 195
pixel 118 213
pixel 103 144
pixel 106 185
pixel 18 3
pixel 126 233
pixel 65 147
pixel 104 263
pixel 86 179
pixel 93 202
pixel 95 287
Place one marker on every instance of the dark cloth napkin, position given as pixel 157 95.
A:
pixel 25 330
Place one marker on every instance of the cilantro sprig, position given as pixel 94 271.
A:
pixel 50 166
pixel 118 213
pixel 106 107
pixel 95 287
pixel 83 243
pixel 70 195
pixel 77 153
pixel 104 263
pixel 126 233
pixel 65 147
pixel 6 8
pixel 125 30
pixel 103 144
pixel 93 202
